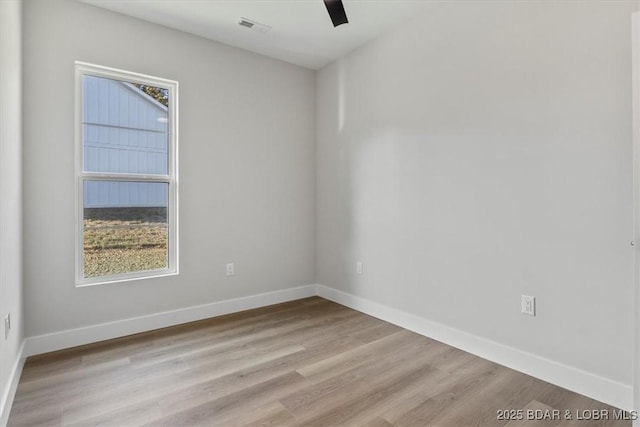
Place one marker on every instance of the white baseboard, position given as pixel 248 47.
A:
pixel 596 387
pixel 9 393
pixel 104 331
pixel 603 389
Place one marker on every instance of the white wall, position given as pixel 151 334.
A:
pixel 247 166
pixel 481 152
pixel 10 195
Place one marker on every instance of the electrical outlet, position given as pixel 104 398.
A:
pixel 7 325
pixel 359 269
pixel 231 269
pixel 528 305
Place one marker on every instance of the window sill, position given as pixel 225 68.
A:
pixel 82 283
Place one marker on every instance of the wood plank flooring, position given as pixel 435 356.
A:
pixel 305 363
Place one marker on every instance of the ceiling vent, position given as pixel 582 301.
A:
pixel 246 23
pixel 254 25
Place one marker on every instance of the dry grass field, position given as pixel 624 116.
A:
pixel 122 240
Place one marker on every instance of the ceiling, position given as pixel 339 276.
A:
pixel 301 31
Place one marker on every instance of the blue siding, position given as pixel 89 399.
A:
pixel 124 131
pixel 114 194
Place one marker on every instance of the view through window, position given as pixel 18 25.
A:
pixel 127 178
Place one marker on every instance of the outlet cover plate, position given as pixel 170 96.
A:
pixel 231 269
pixel 7 325
pixel 528 305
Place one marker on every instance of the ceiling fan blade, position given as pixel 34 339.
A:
pixel 336 12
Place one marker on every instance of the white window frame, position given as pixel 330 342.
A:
pixel 82 69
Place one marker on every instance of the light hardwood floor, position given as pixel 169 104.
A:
pixel 309 362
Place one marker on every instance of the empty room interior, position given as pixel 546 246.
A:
pixel 319 213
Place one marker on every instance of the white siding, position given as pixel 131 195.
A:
pixel 124 131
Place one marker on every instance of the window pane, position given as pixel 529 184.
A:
pixel 124 127
pixel 125 227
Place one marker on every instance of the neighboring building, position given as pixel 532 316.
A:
pixel 134 141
